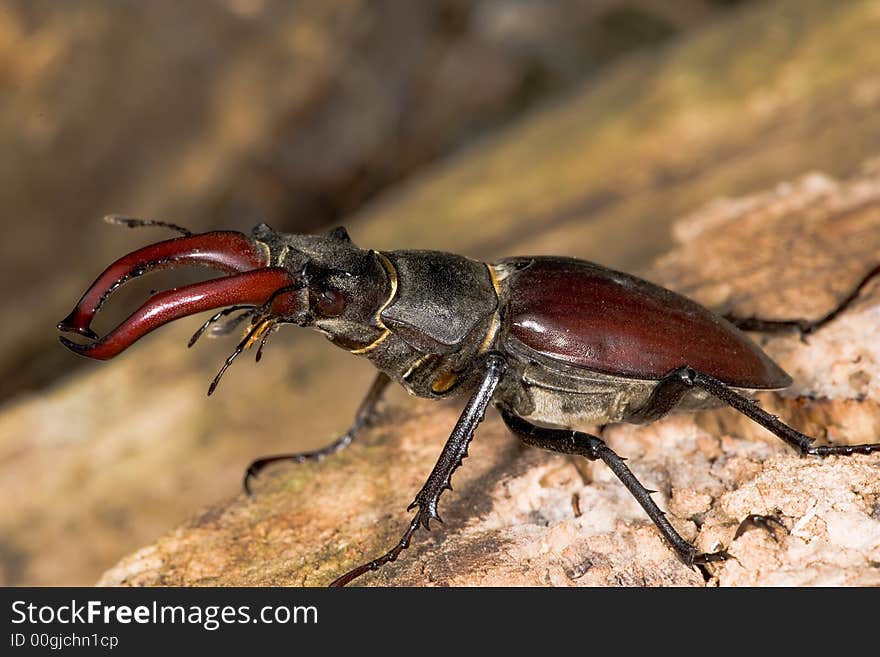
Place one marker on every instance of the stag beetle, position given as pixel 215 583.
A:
pixel 548 340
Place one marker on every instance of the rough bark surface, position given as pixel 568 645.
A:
pixel 523 517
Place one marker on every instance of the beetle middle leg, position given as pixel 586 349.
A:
pixel 365 413
pixel 686 377
pixel 453 453
pixel 567 441
pixel 804 326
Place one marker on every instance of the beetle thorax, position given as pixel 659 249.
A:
pixel 440 318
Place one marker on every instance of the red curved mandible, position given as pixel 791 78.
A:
pixel 253 287
pixel 227 251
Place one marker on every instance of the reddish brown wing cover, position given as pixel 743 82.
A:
pixel 611 322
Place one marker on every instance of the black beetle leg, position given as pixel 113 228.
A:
pixel 365 413
pixel 805 326
pixel 750 408
pixel 756 521
pixel 453 453
pixel 567 441
pixel 664 398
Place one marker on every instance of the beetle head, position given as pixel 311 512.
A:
pixel 272 278
pixel 343 286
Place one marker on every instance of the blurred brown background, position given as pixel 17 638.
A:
pixel 221 114
pixel 489 128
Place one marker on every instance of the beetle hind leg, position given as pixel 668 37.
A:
pixel 665 396
pixel 567 441
pixel 804 326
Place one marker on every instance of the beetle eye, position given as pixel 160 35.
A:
pixel 331 303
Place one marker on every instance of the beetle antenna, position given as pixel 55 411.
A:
pixel 269 331
pixel 248 340
pixel 230 325
pixel 226 364
pixel 269 325
pixel 219 330
pixel 131 222
pixel 262 328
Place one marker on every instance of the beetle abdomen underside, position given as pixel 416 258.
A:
pixel 607 321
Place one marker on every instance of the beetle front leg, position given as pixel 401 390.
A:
pixel 567 441
pixel 365 413
pixel 453 453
